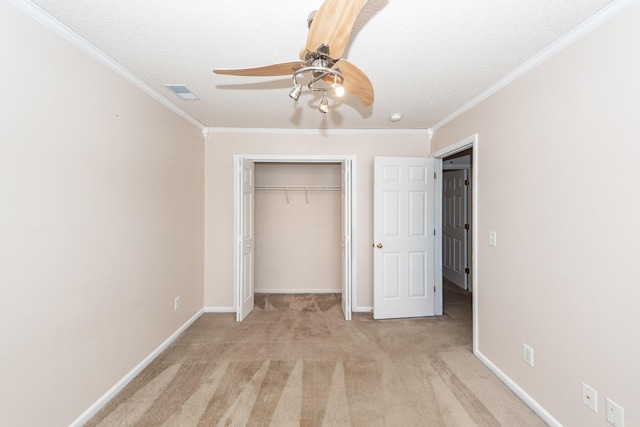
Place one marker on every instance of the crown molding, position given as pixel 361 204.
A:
pixel 422 132
pixel 69 35
pixel 604 15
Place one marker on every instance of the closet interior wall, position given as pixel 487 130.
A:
pixel 298 228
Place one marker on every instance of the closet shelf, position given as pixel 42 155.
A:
pixel 298 187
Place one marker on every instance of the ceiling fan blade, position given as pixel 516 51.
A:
pixel 356 82
pixel 281 69
pixel 332 25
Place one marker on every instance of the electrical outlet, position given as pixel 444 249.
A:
pixel 177 303
pixel 590 397
pixel 493 239
pixel 615 413
pixel 527 354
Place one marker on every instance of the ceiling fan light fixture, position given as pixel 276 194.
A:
pixel 320 70
pixel 329 31
pixel 297 89
pixel 324 104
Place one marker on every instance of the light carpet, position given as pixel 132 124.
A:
pixel 296 362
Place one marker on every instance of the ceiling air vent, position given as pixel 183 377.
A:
pixel 182 91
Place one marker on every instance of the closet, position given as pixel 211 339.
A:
pixel 298 228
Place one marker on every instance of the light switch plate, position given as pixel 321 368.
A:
pixel 527 354
pixel 493 238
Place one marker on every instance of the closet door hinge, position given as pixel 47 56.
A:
pixel 466 182
pixel 466 270
pixel 466 226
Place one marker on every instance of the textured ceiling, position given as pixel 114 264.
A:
pixel 425 58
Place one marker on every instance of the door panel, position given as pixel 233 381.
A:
pixel 346 239
pixel 404 258
pixel 246 297
pixel 417 270
pixel 417 215
pixel 391 214
pixel 454 232
pixel 390 275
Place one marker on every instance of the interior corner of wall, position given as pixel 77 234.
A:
pixel 429 134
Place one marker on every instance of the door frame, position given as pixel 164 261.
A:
pixel 293 158
pixel 468 142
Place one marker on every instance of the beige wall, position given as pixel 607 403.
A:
pixel 219 150
pixel 558 181
pixel 297 234
pixel 101 225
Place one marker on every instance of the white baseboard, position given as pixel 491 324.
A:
pixel 362 310
pixel 298 291
pixel 219 309
pixel 105 398
pixel 523 395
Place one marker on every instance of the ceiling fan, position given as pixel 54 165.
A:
pixel 329 31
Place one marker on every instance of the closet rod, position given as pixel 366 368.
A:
pixel 298 187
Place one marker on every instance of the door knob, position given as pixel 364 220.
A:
pixel 379 245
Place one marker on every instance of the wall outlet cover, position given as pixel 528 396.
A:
pixel 527 354
pixel 590 397
pixel 615 413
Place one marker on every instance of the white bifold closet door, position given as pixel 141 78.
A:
pixel 347 234
pixel 246 242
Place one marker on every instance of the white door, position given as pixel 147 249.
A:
pixel 404 242
pixel 246 242
pixel 455 227
pixel 346 239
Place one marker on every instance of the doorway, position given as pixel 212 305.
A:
pixel 450 151
pixel 298 228
pixel 456 218
pixel 244 217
